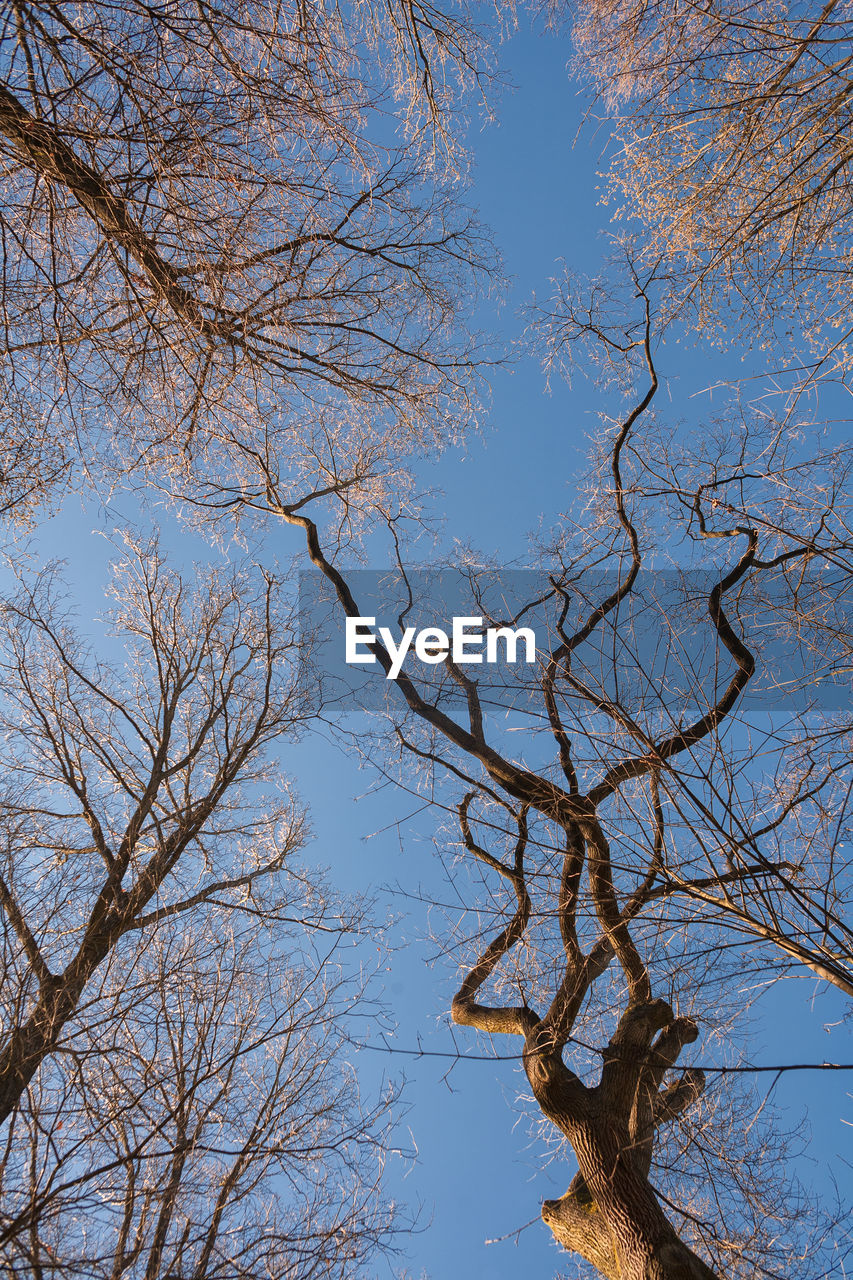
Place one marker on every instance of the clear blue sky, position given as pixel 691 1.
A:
pixel 479 1174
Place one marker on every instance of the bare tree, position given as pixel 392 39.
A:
pixel 200 1117
pixel 174 1083
pixel 204 226
pixel 215 239
pixel 126 798
pixel 661 809
pixel 748 478
pixel 732 128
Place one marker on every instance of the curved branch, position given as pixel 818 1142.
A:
pixel 519 1020
pixel 706 724
pixel 613 920
pixel 40 146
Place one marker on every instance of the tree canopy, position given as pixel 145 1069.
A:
pixel 240 284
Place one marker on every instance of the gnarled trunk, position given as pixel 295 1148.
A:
pixel 610 1214
pixel 621 1229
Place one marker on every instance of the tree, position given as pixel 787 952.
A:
pixel 732 124
pixel 206 232
pixel 200 1117
pixel 172 1070
pixel 662 810
pixel 213 241
pixel 749 474
pixel 131 787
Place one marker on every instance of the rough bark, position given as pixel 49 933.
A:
pixel 610 1214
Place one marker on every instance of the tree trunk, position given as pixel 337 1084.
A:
pixel 610 1215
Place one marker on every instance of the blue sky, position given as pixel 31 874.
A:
pixel 478 1173
pixel 538 190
